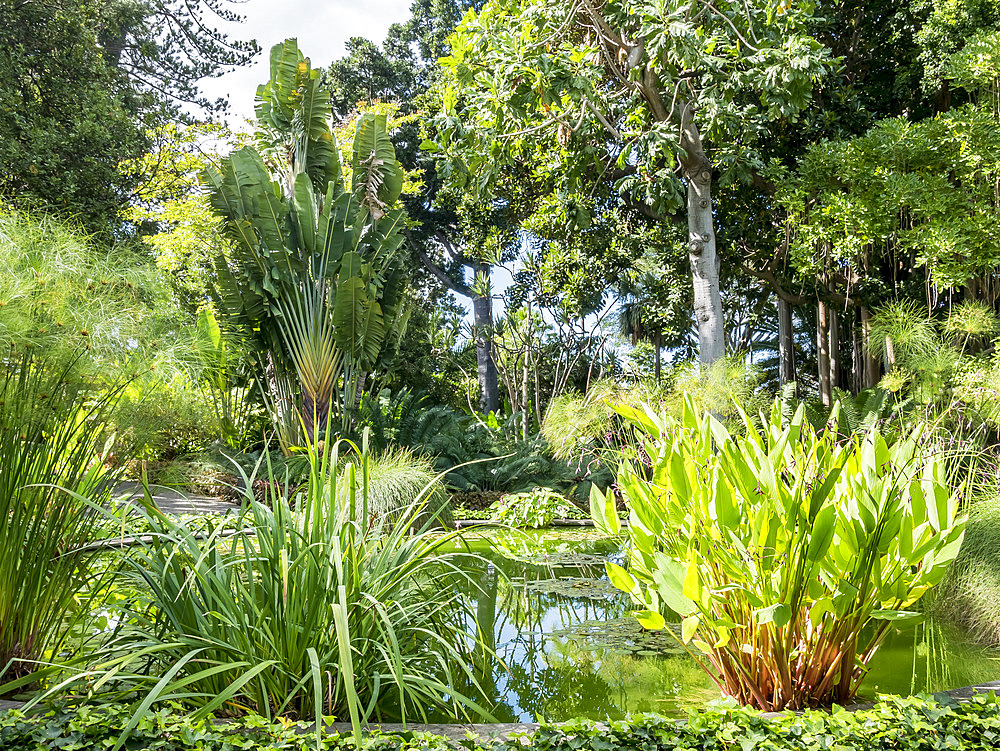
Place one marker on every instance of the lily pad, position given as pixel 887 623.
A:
pixel 623 636
pixel 577 587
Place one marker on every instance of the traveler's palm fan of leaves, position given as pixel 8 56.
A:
pixel 315 273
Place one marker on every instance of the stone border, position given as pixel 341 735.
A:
pixel 467 523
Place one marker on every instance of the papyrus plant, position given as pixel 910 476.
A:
pixel 787 553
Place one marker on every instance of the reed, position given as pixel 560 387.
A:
pixel 317 609
pixel 52 477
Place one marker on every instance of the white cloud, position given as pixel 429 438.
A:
pixel 321 26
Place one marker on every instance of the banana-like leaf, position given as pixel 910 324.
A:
pixel 305 214
pixel 314 273
pixel 295 106
pixel 350 314
pixel 378 179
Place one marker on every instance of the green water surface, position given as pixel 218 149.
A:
pixel 567 647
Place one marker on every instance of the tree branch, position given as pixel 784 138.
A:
pixel 437 271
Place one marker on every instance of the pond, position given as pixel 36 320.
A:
pixel 567 647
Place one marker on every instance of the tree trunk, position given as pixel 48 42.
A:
pixel 657 345
pixel 786 343
pixel 701 243
pixel 835 363
pixel 525 396
pixel 482 311
pixel 890 354
pixel 870 368
pixel 823 352
pixel 482 308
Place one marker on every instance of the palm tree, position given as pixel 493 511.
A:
pixel 315 275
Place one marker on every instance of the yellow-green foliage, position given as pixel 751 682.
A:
pixel 787 551
pixel 61 294
pixel 109 311
pixel 582 424
pixel 970 593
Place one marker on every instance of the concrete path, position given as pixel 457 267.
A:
pixel 171 501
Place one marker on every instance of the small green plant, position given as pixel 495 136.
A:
pixel 535 508
pixel 787 553
pixel 893 724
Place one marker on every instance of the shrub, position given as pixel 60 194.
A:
pixel 894 724
pixel 786 553
pixel 535 508
pixel 93 727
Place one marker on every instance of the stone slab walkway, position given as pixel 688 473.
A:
pixel 171 501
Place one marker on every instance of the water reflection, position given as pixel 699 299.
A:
pixel 566 647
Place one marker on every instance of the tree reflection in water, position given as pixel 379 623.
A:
pixel 537 676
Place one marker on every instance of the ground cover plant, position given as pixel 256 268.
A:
pixel 914 724
pixel 786 551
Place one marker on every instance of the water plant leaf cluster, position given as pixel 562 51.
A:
pixel 623 635
pixel 575 586
pixel 787 551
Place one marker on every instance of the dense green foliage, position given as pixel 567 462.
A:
pixel 786 552
pixel 319 604
pixel 534 509
pixel 892 725
pixel 51 471
pixel 91 727
pixel 83 82
pixel 314 279
pixel 509 249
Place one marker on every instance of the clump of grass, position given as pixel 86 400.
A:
pixel 51 472
pixel 396 477
pixel 318 606
pixel 970 593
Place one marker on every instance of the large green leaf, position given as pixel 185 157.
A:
pixel 378 179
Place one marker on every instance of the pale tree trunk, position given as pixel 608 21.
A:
pixel 786 343
pixel 482 308
pixel 701 243
pixel 823 352
pixel 525 394
pixel 834 324
pixel 657 345
pixel 482 311
pixel 890 354
pixel 870 369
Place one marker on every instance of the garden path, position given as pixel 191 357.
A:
pixel 171 501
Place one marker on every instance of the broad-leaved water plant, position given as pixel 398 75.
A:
pixel 787 552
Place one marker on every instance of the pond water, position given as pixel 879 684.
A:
pixel 567 647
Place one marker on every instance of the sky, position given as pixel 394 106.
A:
pixel 321 26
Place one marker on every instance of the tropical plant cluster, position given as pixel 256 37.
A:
pixel 534 509
pixel 786 552
pixel 729 268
